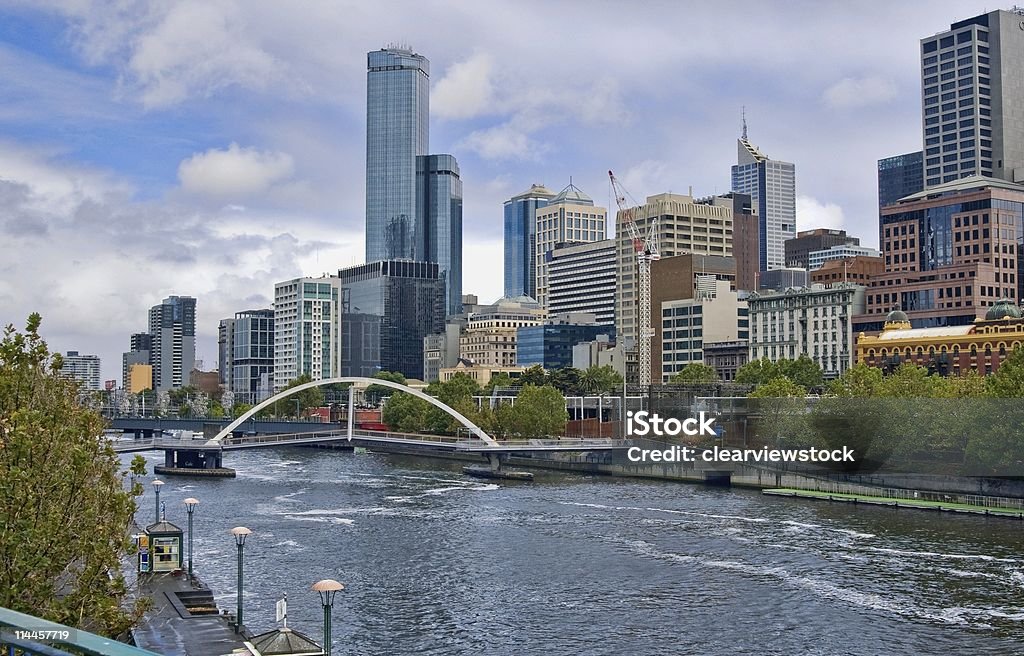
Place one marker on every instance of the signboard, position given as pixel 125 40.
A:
pixel 282 609
pixel 110 385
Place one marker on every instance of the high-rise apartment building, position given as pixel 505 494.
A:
pixel 388 308
pixel 900 176
pixel 225 351
pixel 714 315
pixel 799 248
pixel 397 131
pixel 439 202
pixel 172 327
pixel 307 329
pixel 771 185
pixel 520 240
pixel 139 353
pixel 685 226
pixel 252 355
pixel 746 236
pixel 83 368
pixel 581 278
pixel 569 218
pixel 973 99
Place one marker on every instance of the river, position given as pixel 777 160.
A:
pixel 437 563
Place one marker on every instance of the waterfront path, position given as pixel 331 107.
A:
pixel 917 504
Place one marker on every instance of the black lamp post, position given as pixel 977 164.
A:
pixel 327 589
pixel 190 506
pixel 157 484
pixel 240 533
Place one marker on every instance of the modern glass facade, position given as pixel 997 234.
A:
pixel 900 176
pixel 520 240
pixel 550 345
pixel 771 185
pixel 439 204
pixel 172 327
pixel 252 359
pixel 397 131
pixel 388 307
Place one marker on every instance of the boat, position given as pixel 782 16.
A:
pixel 486 472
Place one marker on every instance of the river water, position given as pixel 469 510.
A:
pixel 438 563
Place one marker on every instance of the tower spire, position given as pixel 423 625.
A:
pixel 743 118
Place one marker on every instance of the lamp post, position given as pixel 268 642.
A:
pixel 157 484
pixel 190 506
pixel 240 533
pixel 297 410
pixel 327 589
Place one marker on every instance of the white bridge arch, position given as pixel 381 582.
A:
pixel 476 430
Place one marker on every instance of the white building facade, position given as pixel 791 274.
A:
pixel 715 315
pixel 307 329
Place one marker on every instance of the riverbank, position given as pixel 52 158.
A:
pixel 915 504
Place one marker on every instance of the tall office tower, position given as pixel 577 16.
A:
pixel 397 131
pixel 799 248
pixel 520 240
pixel 685 226
pixel 973 99
pixel 581 278
pixel 172 325
pixel 225 351
pixel 307 327
pixel 252 356
pixel 569 218
pixel 771 185
pixel 899 176
pixel 83 368
pixel 388 308
pixel 439 203
pixel 138 354
pixel 745 236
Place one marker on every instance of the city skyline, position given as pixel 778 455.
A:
pixel 128 172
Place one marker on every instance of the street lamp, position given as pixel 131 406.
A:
pixel 297 411
pixel 190 506
pixel 327 589
pixel 157 484
pixel 240 532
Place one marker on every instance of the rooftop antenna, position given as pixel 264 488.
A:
pixel 743 117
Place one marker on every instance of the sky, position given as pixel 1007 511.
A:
pixel 212 148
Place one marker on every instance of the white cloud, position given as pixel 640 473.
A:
pixel 234 171
pixel 850 93
pixel 506 141
pixel 811 214
pixel 483 274
pixel 466 90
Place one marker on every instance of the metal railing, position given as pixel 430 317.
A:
pixel 21 633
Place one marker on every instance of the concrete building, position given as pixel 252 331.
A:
pixel 439 203
pixel 252 358
pixel 799 248
pixel 551 344
pixel 973 99
pixel 814 321
pixel 569 218
pixel 225 351
pixel 946 350
pixel 441 350
pixel 860 270
pixel 726 358
pixel 139 353
pixel 387 309
pixel 490 336
pixel 139 378
pixel 307 329
pixel 950 252
pixel 604 351
pixel 397 131
pixel 581 278
pixel 207 382
pixel 520 240
pixel 172 326
pixel 784 278
pixel 83 368
pixel 713 314
pixel 899 176
pixel 746 238
pixel 685 226
pixel 482 374
pixel 815 259
pixel 771 185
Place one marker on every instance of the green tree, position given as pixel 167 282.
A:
pixel 537 412
pixel 803 371
pixel 374 393
pixel 534 376
pixel 695 373
pixel 64 510
pixel 779 387
pixel 406 413
pixel 239 409
pixel 1008 380
pixel 600 380
pixel 567 380
pixel 307 398
pixel 757 372
pixel 858 381
pixel 498 379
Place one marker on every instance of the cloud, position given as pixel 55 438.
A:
pixel 811 214
pixel 506 141
pixel 466 90
pixel 850 93
pixel 234 171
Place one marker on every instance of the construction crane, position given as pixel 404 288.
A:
pixel 646 249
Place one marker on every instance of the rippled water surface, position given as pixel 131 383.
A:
pixel 437 563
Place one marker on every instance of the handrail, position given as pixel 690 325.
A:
pixel 77 641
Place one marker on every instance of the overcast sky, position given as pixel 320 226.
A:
pixel 212 148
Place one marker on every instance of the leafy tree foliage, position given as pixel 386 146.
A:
pixel 600 380
pixel 803 371
pixel 534 376
pixel 64 509
pixel 779 387
pixel 307 398
pixel 537 412
pixel 695 373
pixel 567 380
pixel 374 393
pixel 1008 380
pixel 499 379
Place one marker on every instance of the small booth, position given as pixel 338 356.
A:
pixel 160 548
pixel 283 642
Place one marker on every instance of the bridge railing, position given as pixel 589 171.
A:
pixel 337 435
pixel 21 633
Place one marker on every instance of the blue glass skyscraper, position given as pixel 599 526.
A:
pixel 520 236
pixel 439 203
pixel 397 131
pixel 771 185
